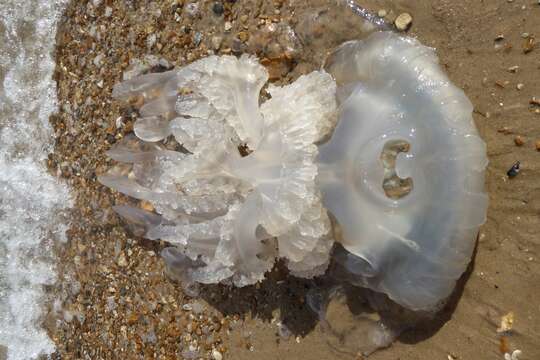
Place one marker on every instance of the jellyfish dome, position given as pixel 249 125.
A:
pixel 403 173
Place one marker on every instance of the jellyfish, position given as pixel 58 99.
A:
pixel 237 182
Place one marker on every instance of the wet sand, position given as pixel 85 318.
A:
pixel 117 301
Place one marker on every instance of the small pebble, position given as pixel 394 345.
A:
pixel 403 21
pixel 236 46
pixel 382 13
pixel 216 42
pixel 513 69
pixel 122 262
pixel 218 9
pixel 520 86
pixel 537 145
pixel 529 45
pixel 243 36
pixel 197 38
pixel 228 26
pixel 505 130
pixel 216 355
pixel 192 9
pixel 519 141
pixel 525 35
pixel 514 170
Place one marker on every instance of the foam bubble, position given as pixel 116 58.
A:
pixel 31 200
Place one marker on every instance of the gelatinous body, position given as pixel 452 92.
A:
pixel 403 173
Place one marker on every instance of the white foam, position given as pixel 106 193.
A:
pixel 31 200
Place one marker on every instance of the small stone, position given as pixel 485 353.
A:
pixel 197 38
pixel 403 21
pixel 525 35
pixel 216 42
pixel 192 9
pixel 216 355
pixel 507 322
pixel 98 60
pixel 108 11
pixel 228 26
pixel 151 40
pixel 513 69
pixel 382 13
pixel 244 18
pixel 537 145
pixel 243 36
pixel 520 86
pixel 529 45
pixel 514 170
pixel 121 261
pixel 519 141
pixel 505 130
pixel 218 8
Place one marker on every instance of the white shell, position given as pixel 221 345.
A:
pixel 412 248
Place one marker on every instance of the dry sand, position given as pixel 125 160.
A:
pixel 119 303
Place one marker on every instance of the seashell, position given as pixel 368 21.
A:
pixel 403 172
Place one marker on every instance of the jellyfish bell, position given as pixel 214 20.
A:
pixel 403 172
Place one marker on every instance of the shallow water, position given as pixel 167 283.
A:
pixel 31 200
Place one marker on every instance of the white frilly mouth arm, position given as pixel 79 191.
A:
pixel 230 215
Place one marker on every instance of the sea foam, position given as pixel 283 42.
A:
pixel 31 200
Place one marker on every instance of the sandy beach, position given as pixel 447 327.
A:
pixel 113 299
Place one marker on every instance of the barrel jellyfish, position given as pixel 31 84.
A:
pixel 237 184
